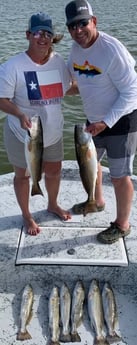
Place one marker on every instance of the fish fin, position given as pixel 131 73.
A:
pixel 27 173
pixel 65 338
pixel 24 335
pixel 89 154
pixel 36 190
pixel 100 341
pixel 75 337
pixel 113 338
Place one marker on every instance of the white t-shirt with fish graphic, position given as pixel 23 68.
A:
pixel 106 79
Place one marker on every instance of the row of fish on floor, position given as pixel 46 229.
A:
pixel 66 311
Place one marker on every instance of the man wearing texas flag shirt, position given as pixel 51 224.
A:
pixel 34 82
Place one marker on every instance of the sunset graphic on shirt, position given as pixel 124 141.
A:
pixel 87 69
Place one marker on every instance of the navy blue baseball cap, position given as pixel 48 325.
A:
pixel 40 21
pixel 77 10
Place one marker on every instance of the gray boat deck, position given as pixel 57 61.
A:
pixel 63 252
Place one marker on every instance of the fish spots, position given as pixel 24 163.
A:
pixel 71 251
pixel 89 154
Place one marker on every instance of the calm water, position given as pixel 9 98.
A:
pixel 115 17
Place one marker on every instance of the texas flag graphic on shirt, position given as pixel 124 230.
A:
pixel 43 85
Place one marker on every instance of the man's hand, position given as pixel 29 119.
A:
pixel 73 89
pixel 96 128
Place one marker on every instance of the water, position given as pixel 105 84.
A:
pixel 114 17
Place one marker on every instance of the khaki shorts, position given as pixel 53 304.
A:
pixel 16 153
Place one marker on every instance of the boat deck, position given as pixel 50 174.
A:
pixel 63 252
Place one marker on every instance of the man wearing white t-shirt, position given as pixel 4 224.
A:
pixel 107 82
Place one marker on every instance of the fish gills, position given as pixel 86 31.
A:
pixel 88 167
pixel 54 316
pixel 25 313
pixel 77 310
pixel 110 313
pixel 65 305
pixel 34 152
pixel 95 311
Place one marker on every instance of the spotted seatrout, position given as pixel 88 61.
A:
pixel 25 313
pixel 33 153
pixel 110 313
pixel 65 304
pixel 95 311
pixel 54 316
pixel 77 310
pixel 87 160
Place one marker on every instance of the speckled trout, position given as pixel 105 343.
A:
pixel 95 311
pixel 78 297
pixel 33 153
pixel 65 304
pixel 110 313
pixel 87 160
pixel 25 313
pixel 54 316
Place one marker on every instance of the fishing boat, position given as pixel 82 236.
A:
pixel 63 252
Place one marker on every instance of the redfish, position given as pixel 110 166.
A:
pixel 25 313
pixel 88 167
pixel 34 152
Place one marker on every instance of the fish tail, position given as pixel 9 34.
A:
pixel 65 338
pixel 24 335
pixel 75 337
pixel 101 341
pixel 90 206
pixel 36 190
pixel 113 338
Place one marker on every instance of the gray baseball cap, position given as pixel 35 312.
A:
pixel 77 10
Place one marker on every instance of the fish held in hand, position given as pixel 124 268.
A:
pixel 77 310
pixel 34 152
pixel 95 312
pixel 88 167
pixel 65 305
pixel 25 313
pixel 54 316
pixel 110 313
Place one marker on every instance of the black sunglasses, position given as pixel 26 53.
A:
pixel 80 24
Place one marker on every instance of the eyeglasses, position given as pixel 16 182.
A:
pixel 81 24
pixel 40 33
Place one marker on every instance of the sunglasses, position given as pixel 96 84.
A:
pixel 40 33
pixel 80 24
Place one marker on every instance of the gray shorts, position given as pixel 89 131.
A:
pixel 120 144
pixel 120 151
pixel 16 153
